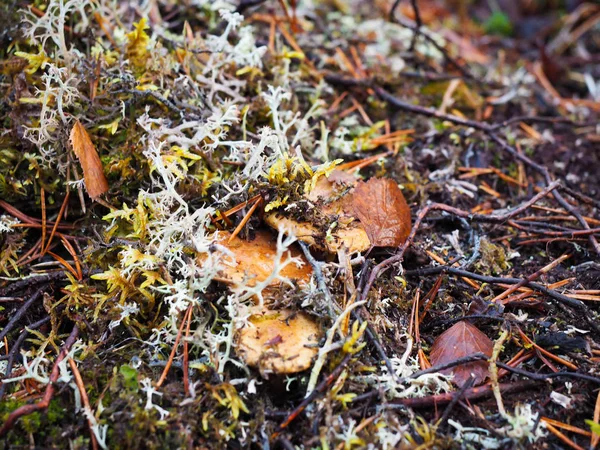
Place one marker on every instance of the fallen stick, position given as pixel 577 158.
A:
pixel 475 393
pixel 43 404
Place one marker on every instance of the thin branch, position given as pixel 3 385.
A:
pixel 319 390
pixel 457 396
pixel 418 24
pixel 15 349
pixel 574 303
pixel 43 404
pixel 21 312
pixel 429 39
pixel 471 394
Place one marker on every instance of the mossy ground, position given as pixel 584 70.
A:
pixel 195 109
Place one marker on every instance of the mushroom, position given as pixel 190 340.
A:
pixel 337 228
pixel 281 342
pixel 351 214
pixel 275 341
pixel 254 260
pixel 347 233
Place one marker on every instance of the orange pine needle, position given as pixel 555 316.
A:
pixel 545 352
pixel 57 223
pixel 357 62
pixel 174 349
pixel 566 426
pixel 361 110
pixel 337 101
pixel 244 221
pixel 347 112
pixel 18 214
pixel 43 202
pixel 29 254
pixel 346 62
pixel 563 437
pixel 290 39
pixel 272 36
pixel 547 268
pixel 242 205
pixel 489 190
pixel 285 11
pixel 84 398
pixel 104 28
pixel 64 263
pixel 359 164
pixel 72 252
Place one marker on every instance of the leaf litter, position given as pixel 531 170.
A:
pixel 382 210
pixel 269 208
pixel 461 340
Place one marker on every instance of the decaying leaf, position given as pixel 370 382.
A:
pixel 462 339
pixel 281 341
pixel 382 211
pixel 93 174
pixel 255 260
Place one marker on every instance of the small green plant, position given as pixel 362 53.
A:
pixel 498 23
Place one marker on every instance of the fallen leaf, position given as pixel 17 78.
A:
pixel 93 174
pixel 281 341
pixel 382 210
pixel 462 339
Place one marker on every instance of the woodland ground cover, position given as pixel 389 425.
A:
pixel 316 224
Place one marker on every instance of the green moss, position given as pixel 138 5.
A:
pixel 129 375
pixel 55 412
pixel 498 23
pixel 31 422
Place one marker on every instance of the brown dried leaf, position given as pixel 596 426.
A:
pixel 382 211
pixel 462 339
pixel 93 174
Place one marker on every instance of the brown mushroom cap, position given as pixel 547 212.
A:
pixel 365 214
pixel 280 341
pixel 255 260
pixel 351 235
pixel 348 232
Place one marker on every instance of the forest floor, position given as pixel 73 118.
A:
pixel 299 224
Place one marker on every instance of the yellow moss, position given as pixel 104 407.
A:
pixel 35 60
pixel 323 170
pixel 137 45
pixel 493 259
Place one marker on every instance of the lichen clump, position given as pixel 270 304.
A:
pixel 212 279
